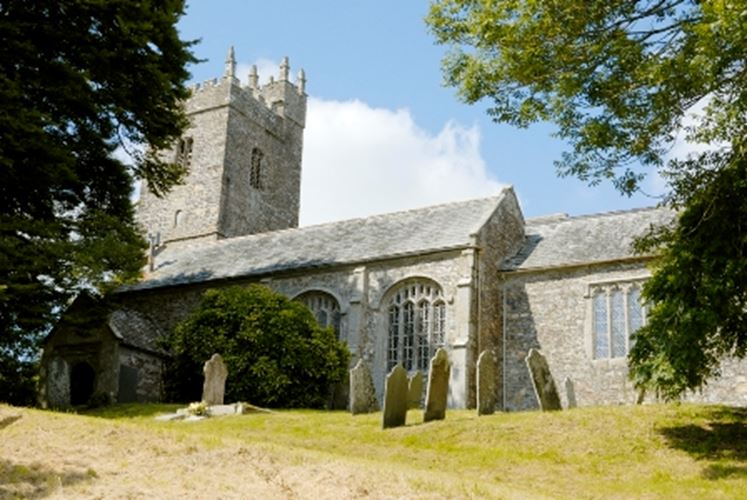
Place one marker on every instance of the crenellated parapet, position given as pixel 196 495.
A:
pixel 281 96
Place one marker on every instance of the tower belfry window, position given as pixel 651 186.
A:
pixel 255 171
pixel 184 152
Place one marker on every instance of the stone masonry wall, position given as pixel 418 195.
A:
pixel 227 122
pixel 551 311
pixel 501 236
pixel 362 294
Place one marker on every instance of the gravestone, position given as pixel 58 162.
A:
pixel 58 384
pixel 542 381
pixel 214 387
pixel 438 387
pixel 395 398
pixel 415 390
pixel 362 392
pixel 486 383
pixel 570 392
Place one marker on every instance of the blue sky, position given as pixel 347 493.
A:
pixel 383 133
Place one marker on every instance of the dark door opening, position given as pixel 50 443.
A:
pixel 82 379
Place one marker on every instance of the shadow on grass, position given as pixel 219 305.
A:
pixel 131 410
pixel 722 438
pixel 36 480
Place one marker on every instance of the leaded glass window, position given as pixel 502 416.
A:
pixel 325 308
pixel 617 324
pixel 617 314
pixel 601 341
pixel 417 324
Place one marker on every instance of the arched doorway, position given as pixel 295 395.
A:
pixel 82 378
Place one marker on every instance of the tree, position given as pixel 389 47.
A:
pixel 618 79
pixel 276 353
pixel 78 78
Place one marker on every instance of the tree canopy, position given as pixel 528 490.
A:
pixel 78 79
pixel 620 79
pixel 276 353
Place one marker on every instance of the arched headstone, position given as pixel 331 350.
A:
pixel 395 398
pixel 438 387
pixel 214 387
pixel 362 392
pixel 486 383
pixel 415 390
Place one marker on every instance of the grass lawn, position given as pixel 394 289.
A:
pixel 657 451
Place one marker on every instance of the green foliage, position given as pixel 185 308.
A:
pixel 618 78
pixel 78 78
pixel 276 353
pixel 699 287
pixel 615 76
pixel 17 381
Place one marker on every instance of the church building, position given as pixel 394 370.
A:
pixel 469 276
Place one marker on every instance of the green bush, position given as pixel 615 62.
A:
pixel 276 353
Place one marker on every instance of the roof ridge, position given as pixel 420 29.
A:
pixel 550 218
pixel 247 237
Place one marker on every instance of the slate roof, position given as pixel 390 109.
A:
pixel 435 228
pixel 136 329
pixel 559 240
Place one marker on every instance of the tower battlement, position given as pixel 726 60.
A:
pixel 243 150
pixel 280 95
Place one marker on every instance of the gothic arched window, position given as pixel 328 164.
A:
pixel 417 324
pixel 325 308
pixel 255 170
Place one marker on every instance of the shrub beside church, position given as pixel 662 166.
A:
pixel 276 353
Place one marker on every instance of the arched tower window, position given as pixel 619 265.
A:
pixel 325 308
pixel 184 152
pixel 178 218
pixel 417 324
pixel 255 170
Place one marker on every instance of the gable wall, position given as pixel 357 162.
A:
pixel 500 237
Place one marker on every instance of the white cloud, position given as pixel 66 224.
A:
pixel 360 160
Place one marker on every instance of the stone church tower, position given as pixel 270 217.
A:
pixel 243 150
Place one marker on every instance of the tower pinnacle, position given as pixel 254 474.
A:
pixel 230 71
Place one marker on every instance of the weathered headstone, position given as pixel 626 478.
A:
pixel 542 381
pixel 362 392
pixel 486 383
pixel 438 387
pixel 395 398
pixel 214 387
pixel 415 390
pixel 58 383
pixel 570 392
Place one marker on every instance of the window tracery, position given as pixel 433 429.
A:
pixel 617 313
pixel 417 324
pixel 324 307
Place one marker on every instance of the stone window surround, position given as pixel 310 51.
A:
pixel 183 154
pixel 333 311
pixel 429 293
pixel 624 285
pixel 255 169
